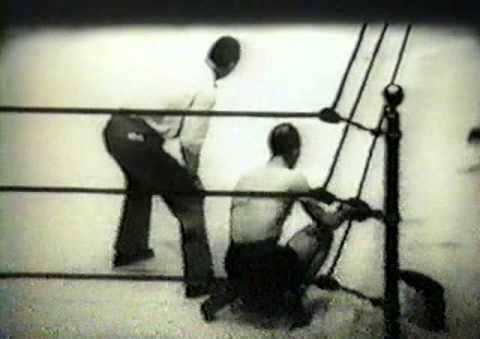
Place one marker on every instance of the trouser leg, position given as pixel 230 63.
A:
pixel 194 241
pixel 134 229
pixel 149 167
pixel 132 157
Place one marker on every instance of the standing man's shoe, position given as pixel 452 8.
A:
pixel 207 314
pixel 122 259
pixel 197 290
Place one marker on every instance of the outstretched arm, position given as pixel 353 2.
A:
pixel 332 220
pixel 312 207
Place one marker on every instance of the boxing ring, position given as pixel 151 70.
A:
pixel 387 127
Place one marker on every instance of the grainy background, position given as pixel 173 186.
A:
pixel 284 67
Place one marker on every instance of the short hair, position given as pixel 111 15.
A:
pixel 225 50
pixel 283 139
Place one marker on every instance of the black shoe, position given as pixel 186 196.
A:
pixel 122 259
pixel 207 315
pixel 301 318
pixel 198 290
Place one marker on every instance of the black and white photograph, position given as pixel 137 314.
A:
pixel 168 178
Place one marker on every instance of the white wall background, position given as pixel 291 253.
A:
pixel 283 68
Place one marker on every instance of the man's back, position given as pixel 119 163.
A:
pixel 255 219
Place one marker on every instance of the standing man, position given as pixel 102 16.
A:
pixel 256 265
pixel 137 143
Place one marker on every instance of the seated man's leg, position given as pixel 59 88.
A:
pixel 220 298
pixel 263 273
pixel 249 269
pixel 235 268
pixel 312 245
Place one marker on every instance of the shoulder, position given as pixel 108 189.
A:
pixel 204 99
pixel 298 181
pixel 258 177
pixel 252 173
pixel 205 91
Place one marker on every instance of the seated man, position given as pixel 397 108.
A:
pixel 257 266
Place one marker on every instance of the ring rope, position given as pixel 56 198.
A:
pixel 87 276
pixel 153 112
pixel 401 53
pixel 370 154
pixel 97 111
pixel 353 111
pixel 358 195
pixel 348 69
pixel 120 191
pixel 97 276
pixel 103 111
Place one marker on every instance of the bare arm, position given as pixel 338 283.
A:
pixel 312 207
pixel 332 220
pixel 316 212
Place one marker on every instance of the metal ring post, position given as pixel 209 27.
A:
pixel 393 95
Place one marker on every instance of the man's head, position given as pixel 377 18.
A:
pixel 284 141
pixel 223 56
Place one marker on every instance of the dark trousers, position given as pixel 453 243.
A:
pixel 263 269
pixel 148 168
pixel 260 273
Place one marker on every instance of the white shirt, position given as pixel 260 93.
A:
pixel 187 91
pixel 193 128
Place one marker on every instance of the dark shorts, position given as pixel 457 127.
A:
pixel 263 267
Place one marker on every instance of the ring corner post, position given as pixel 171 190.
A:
pixel 393 95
